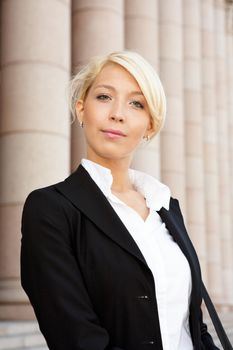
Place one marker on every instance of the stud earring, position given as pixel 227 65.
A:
pixel 147 137
pixel 81 124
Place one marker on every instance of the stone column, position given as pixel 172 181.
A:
pixel 98 28
pixel 142 22
pixel 171 71
pixel 210 141
pixel 193 128
pixel 34 126
pixel 223 150
pixel 229 55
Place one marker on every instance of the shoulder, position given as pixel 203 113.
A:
pixel 43 198
pixel 47 204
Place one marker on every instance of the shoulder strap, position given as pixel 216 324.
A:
pixel 216 321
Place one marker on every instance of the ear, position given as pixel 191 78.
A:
pixel 151 129
pixel 79 108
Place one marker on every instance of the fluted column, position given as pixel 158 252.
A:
pixel 98 28
pixel 195 208
pixel 34 125
pixel 223 149
pixel 229 55
pixel 210 139
pixel 171 71
pixel 142 22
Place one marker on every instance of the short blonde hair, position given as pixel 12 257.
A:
pixel 142 71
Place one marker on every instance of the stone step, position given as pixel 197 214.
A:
pixel 22 341
pixel 34 348
pixel 19 327
pixel 21 335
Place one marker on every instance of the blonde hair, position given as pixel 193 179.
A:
pixel 142 71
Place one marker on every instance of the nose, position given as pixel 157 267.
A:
pixel 116 118
pixel 117 113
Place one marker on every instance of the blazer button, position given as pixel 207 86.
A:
pixel 148 342
pixel 143 297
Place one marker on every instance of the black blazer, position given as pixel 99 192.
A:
pixel 88 282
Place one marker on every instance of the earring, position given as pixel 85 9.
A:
pixel 81 124
pixel 147 137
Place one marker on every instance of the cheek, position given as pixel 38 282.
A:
pixel 93 116
pixel 140 129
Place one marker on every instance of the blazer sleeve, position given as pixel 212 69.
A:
pixel 51 277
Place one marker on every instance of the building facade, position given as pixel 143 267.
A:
pixel 190 44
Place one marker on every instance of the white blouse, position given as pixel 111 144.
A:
pixel 170 269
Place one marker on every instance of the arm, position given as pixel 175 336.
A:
pixel 51 276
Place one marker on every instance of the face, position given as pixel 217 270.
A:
pixel 115 115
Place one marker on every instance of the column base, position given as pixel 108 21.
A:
pixel 17 312
pixel 14 303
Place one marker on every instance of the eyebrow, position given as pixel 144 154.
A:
pixel 113 89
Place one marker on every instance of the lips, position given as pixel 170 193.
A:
pixel 114 132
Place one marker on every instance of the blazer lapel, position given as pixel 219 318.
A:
pixel 173 220
pixel 82 191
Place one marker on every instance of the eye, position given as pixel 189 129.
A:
pixel 137 104
pixel 103 97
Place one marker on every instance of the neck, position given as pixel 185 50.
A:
pixel 119 169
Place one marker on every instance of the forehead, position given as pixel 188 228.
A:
pixel 113 73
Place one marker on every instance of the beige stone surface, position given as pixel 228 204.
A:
pixel 193 104
pixel 147 158
pixel 173 152
pixel 142 21
pixel 194 164
pixel 99 23
pixel 31 33
pixel 175 180
pixel 173 121
pixel 211 151
pixel 223 152
pixel 10 225
pixel 170 13
pixel 100 5
pixel 207 16
pixel 19 311
pixel 195 211
pixel 229 48
pixel 171 71
pixel 78 145
pixel 34 123
pixel 32 160
pixel 192 80
pixel 209 124
pixel 213 227
pixel 211 190
pixel 210 140
pixel 194 144
pixel 171 44
pixel 11 291
pixel 34 97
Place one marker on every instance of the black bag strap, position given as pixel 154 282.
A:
pixel 216 321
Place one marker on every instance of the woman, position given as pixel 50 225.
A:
pixel 106 260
